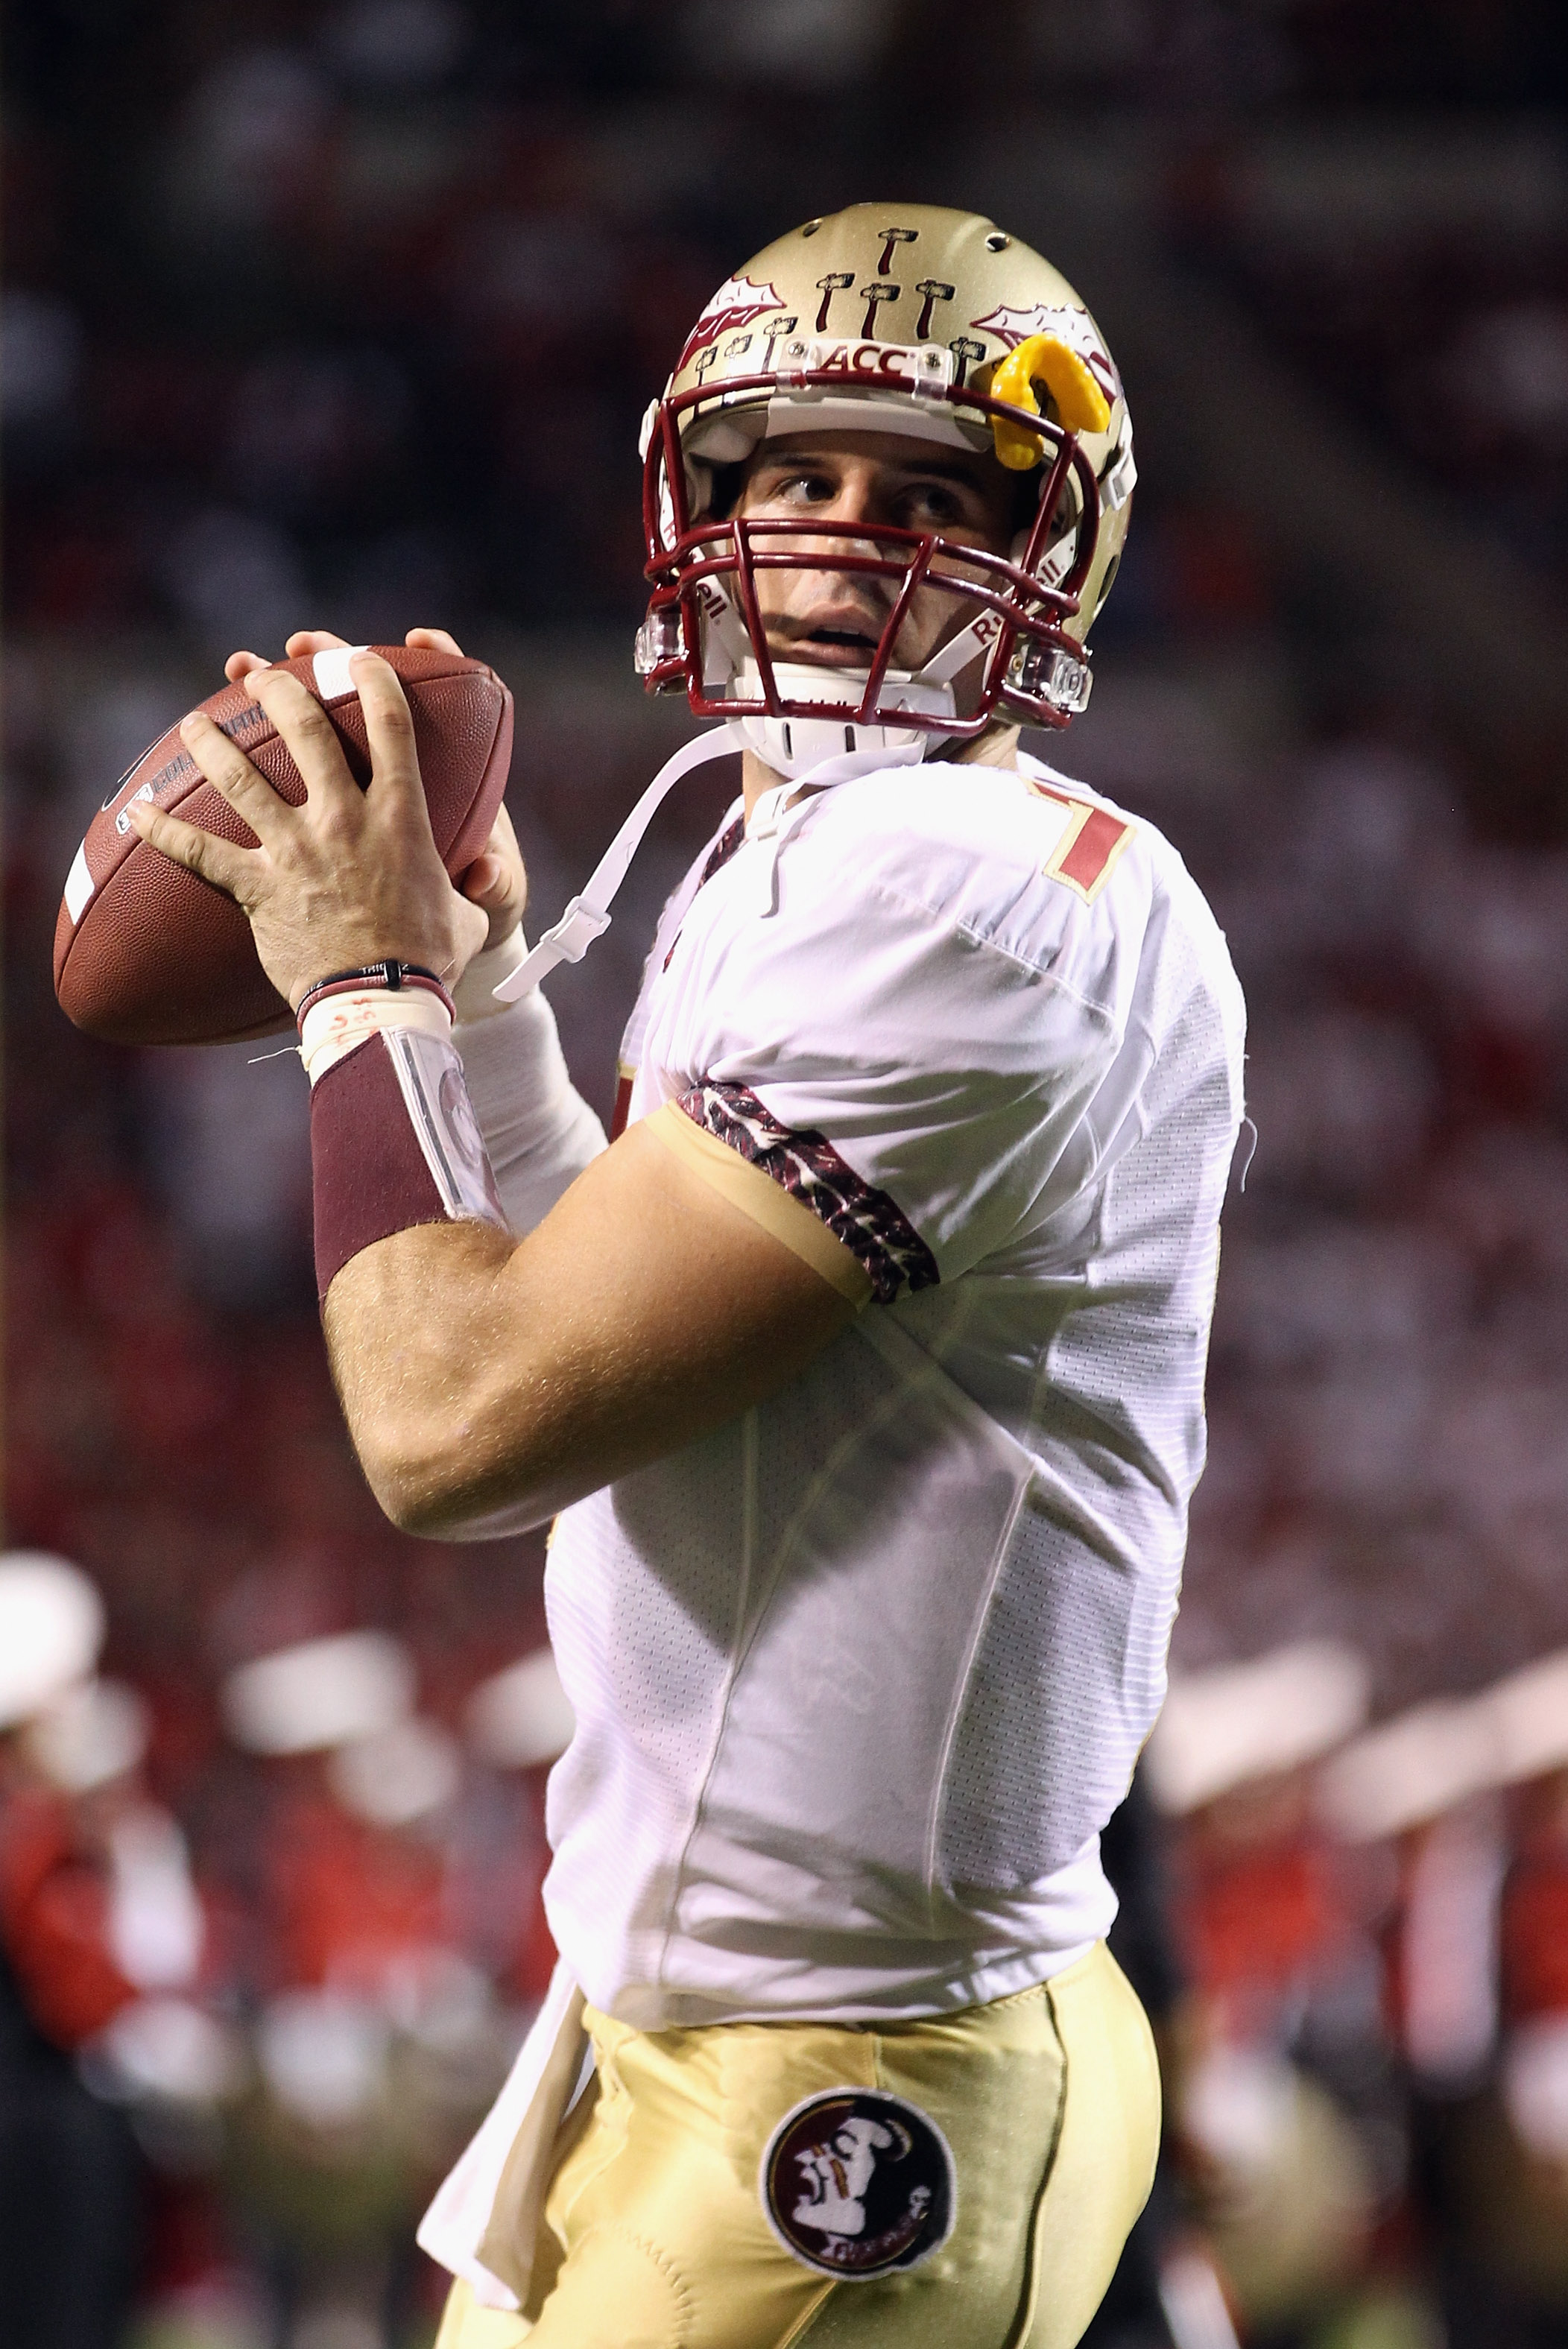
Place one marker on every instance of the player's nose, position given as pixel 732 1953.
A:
pixel 855 506
pixel 856 502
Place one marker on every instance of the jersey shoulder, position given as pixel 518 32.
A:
pixel 1025 859
pixel 1097 833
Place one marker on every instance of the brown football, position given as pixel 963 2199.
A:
pixel 147 953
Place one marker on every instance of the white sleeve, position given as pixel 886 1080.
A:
pixel 914 1084
pixel 539 1131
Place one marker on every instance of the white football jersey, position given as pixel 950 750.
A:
pixel 859 1678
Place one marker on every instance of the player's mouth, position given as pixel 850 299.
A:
pixel 837 648
pixel 839 641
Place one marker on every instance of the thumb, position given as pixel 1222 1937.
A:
pixel 485 881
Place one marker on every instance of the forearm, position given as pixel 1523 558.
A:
pixel 415 1328
pixel 488 1383
pixel 539 1132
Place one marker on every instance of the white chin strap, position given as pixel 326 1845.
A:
pixel 587 916
pixel 792 747
pixel 823 750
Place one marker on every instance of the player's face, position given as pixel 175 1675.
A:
pixel 834 619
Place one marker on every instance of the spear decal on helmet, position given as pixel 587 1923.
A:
pixel 934 291
pixel 876 293
pixel 965 352
pixel 834 283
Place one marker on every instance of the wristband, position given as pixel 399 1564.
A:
pixel 335 1023
pixel 393 975
pixel 393 1143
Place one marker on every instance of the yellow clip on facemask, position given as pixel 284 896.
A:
pixel 1080 403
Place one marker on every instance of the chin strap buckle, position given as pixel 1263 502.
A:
pixel 576 930
pixel 586 916
pixel 568 941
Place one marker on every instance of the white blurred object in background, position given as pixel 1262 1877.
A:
pixel 51 1629
pixel 1238 2106
pixel 1410 1770
pixel 156 1928
pixel 1528 1717
pixel 92 1734
pixel 520 1716
pixel 168 2049
pixel 1431 1775
pixel 320 1693
pixel 1536 2085
pixel 323 2055
pixel 397 1775
pixel 1237 1723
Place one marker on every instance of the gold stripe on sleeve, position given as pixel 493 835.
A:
pixel 759 1196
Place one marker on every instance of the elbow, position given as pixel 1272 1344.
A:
pixel 437 1493
pixel 416 1504
pixel 448 1415
pixel 405 1490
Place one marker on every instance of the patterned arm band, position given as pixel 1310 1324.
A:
pixel 869 1223
pixel 393 1143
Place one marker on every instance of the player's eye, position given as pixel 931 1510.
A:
pixel 932 506
pixel 804 489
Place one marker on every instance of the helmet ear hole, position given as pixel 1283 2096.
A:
pixel 725 483
pixel 1026 488
pixel 1064 517
pixel 698 486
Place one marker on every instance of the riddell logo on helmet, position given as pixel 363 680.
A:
pixel 738 303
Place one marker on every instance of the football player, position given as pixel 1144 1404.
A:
pixel 861 1373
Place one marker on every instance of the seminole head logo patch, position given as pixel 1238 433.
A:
pixel 859 2184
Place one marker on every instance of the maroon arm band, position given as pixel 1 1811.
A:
pixel 393 1143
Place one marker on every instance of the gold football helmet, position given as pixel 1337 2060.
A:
pixel 904 318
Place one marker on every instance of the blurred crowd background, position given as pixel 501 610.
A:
pixel 345 316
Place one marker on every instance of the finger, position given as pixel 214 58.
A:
pixel 496 880
pixel 503 842
pixel 307 733
pixel 229 771
pixel 496 877
pixel 389 730
pixel 311 640
pixel 240 665
pixel 222 862
pixel 473 935
pixel 433 640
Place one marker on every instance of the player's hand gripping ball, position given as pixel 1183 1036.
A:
pixel 148 952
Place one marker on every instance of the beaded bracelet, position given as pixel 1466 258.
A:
pixel 391 974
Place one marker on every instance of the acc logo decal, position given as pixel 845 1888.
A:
pixel 857 2183
pixel 1074 327
pixel 736 303
pixel 889 362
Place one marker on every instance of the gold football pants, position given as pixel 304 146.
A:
pixel 656 2236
